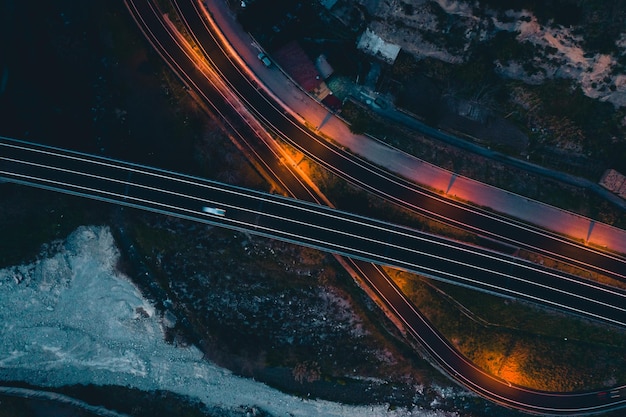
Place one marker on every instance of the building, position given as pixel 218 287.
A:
pixel 371 43
pixel 295 62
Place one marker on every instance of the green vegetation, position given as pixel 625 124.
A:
pixel 360 122
pixel 600 22
pixel 575 120
pixel 485 170
pixel 271 292
pixel 563 12
pixel 521 343
pixel 568 131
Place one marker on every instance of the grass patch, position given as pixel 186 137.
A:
pixel 521 343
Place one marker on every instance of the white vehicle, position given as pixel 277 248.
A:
pixel 215 211
pixel 265 59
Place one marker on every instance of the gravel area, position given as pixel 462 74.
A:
pixel 71 318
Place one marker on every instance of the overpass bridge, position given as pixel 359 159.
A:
pixel 336 231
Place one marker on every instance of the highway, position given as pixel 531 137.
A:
pixel 438 348
pixel 331 230
pixel 339 232
pixel 312 225
pixel 375 179
pixel 158 34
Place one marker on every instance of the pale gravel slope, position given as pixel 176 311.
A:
pixel 71 318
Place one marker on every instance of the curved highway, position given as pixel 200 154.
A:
pixel 451 353
pixel 376 179
pixel 332 230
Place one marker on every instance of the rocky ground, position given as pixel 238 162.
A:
pixel 447 30
pixel 515 80
pixel 264 309
pixel 72 318
pixel 279 313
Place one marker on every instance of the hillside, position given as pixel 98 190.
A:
pixel 553 68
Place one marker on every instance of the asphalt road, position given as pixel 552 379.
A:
pixel 134 188
pixel 445 353
pixel 332 230
pixel 383 183
pixel 180 57
pixel 311 225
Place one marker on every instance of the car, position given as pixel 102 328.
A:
pixel 265 59
pixel 214 210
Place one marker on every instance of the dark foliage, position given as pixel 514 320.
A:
pixel 599 22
